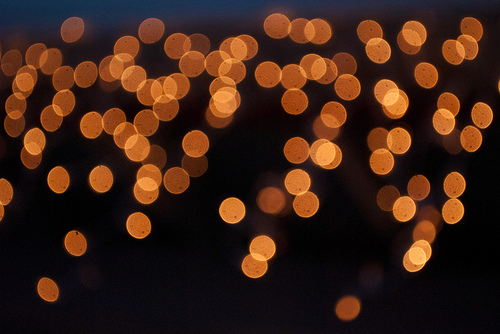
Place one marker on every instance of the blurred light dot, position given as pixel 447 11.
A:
pixel 306 204
pixel 47 289
pixel 453 52
pixel 416 255
pixel 423 252
pixel 192 63
pixel 470 46
pixel 277 26
pixel 347 87
pixel 271 200
pixel 346 63
pixel 414 33
pixel 146 122
pixel 426 75
pixel 85 74
pixel 122 133
pixel 453 211
pixel 2 212
pixel 451 142
pixel 369 29
pixel 195 143
pixel 149 177
pixel 337 155
pixel 166 107
pixel 137 147
pixel 318 31
pixel 296 150
pixel 324 132
pixel 347 308
pixel 378 50
pixel 405 46
pixel 132 77
pixel 386 197
pixel 404 209
pixel 197 42
pixel 424 230
pixel 101 179
pixel 294 101
pixel 386 92
pixel 443 121
pixel 482 115
pixel 216 121
pixel 330 72
pixel 105 69
pixel 112 118
pixel 377 138
pixel 6 192
pixel 253 267
pixel 72 29
pixel 119 64
pixel 75 243
pixel 65 100
pixel 128 45
pixel 472 27
pixel 398 140
pixel 397 109
pixel 293 76
pixel 30 161
pixel 333 114
pixel 471 138
pixel 195 167
pixel 449 102
pixel 409 265
pixel 33 54
pixel 138 225
pixel 244 47
pixel 177 85
pixel 145 92
pixel 11 62
pixel 219 83
pixel 34 141
pixel 297 30
pixel 91 125
pixel 454 185
pixel 213 61
pixel 418 187
pixel 151 30
pixel 156 156
pixel 50 61
pixel 58 179
pixel 322 152
pixel 313 65
pixel 381 161
pixel 176 180
pixel 262 247
pixel 297 181
pixel 174 45
pixel 14 126
pixel 268 74
pixel 232 210
pixel 25 81
pixel 15 105
pixel 144 196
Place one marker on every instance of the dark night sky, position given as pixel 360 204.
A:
pixel 185 277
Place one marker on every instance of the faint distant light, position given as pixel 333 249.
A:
pixel 369 29
pixel 47 289
pixel 470 46
pixel 195 143
pixel 105 69
pixel 91 125
pixel 65 100
pixel 386 197
pixel 409 265
pixel 146 122
pixel 347 308
pixel 306 204
pixel 6 192
pixel 157 156
pixel 30 161
pixel 58 179
pixel 432 214
pixel 318 31
pixel 451 142
pixel 75 243
pixel 471 138
pixel 101 179
pixel 414 33
pixel 215 121
pixel 11 62
pixel 333 114
pixel 378 50
pixel 418 187
pixel 277 26
pixel 443 121
pixel 86 74
pixel 72 29
pixel 398 140
pixel 197 42
pixel 137 147
pixel 377 138
pixel 294 101
pixel 34 141
pixel 50 61
pixel 268 74
pixel 449 102
pixel 297 31
pixel 293 76
pixel 33 54
pixel 112 118
pixel 262 247
pixel 347 87
pixel 404 209
pixel 482 115
pixel 453 52
pixel 195 167
pixel 176 180
pixel 232 210
pixel 297 182
pixel 151 30
pixel 14 126
pixel 324 132
pixel 271 200
pixel 296 150
pixel 472 27
pixel 453 211
pixel 454 185
pixel 346 63
pixel 253 267
pixel 381 161
pixel 138 225
pixel 426 75
pixel 424 230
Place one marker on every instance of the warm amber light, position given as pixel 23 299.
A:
pixel 176 180
pixel 398 140
pixel 277 26
pixel 195 167
pixel 30 161
pixel 101 179
pixel 293 76
pixel 151 30
pixel 381 161
pixel 268 74
pixel 414 33
pixel 378 50
pixel 426 75
pixel 91 125
pixel 47 289
pixel 232 210
pixel 453 52
pixel 63 78
pixel 409 265
pixel 33 54
pixel 443 121
pixel 471 138
pixel 254 267
pixel 86 74
pixel 471 48
pixel 72 29
pixel 472 27
pixel 65 100
pixel 271 200
pixel 377 138
pixel 296 150
pixel 75 243
pixel 348 308
pixel 262 247
pixel 386 197
pixel 294 101
pixel 454 185
pixel 297 182
pixel 347 87
pixel 424 230
pixel 482 115
pixel 137 147
pixel 58 179
pixel 333 114
pixel 138 225
pixel 369 29
pixel 346 63
pixel 195 143
pixel 449 102
pixel 453 211
pixel 6 192
pixel 418 187
pixel 404 209
pixel 306 204
pixel 50 60
pixel 34 141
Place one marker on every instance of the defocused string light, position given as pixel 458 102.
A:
pixel 72 29
pixel 75 243
pixel 58 179
pixel 232 210
pixel 348 308
pixel 47 289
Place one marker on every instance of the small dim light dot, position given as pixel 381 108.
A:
pixel 348 308
pixel 138 225
pixel 306 204
pixel 454 185
pixel 424 230
pixel 398 140
pixel 386 197
pixel 482 115
pixel 72 29
pixel 426 75
pixel 262 246
pixel 2 212
pixel 377 138
pixel 471 138
pixel 404 209
pixel 91 125
pixel 6 192
pixel 347 87
pixel 271 200
pixel 58 179
pixel 451 142
pixel 101 179
pixel 195 167
pixel 47 289
pixel 294 101
pixel 195 143
pixel 369 29
pixel 254 267
pixel 324 132
pixel 157 156
pixel 232 210
pixel 418 187
pixel 346 63
pixel 452 211
pixel 75 243
pixel 176 180
pixel 30 161
pixel 381 161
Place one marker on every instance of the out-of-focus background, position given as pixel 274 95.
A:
pixel 186 276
